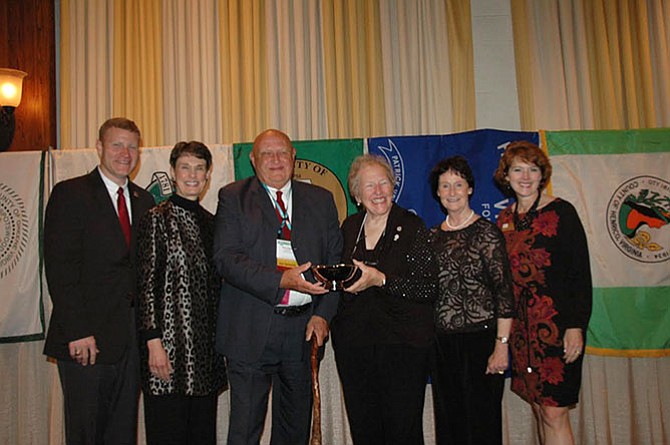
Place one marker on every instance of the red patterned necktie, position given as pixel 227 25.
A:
pixel 283 217
pixel 285 234
pixel 124 219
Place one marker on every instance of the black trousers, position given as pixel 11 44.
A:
pixel 467 401
pixel 283 367
pixel 180 420
pixel 384 388
pixel 101 401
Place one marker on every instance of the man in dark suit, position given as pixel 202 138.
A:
pixel 270 307
pixel 89 256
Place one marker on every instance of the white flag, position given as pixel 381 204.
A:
pixel 21 311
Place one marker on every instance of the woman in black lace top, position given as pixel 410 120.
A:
pixel 473 314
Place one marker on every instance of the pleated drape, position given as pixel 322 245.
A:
pixel 137 65
pixel 85 70
pixel 592 64
pixel 223 70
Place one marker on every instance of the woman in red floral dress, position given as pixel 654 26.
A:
pixel 549 259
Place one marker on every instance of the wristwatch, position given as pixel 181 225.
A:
pixel 502 340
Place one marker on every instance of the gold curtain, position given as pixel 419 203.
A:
pixel 352 67
pixel 459 27
pixel 137 87
pixel 241 36
pixel 222 70
pixel 592 64
pixel 85 74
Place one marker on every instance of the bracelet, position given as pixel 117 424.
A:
pixel 503 340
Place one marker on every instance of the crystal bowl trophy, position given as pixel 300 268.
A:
pixel 334 275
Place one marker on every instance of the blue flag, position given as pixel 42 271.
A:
pixel 413 157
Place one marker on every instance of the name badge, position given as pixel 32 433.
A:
pixel 286 260
pixel 285 256
pixel 507 227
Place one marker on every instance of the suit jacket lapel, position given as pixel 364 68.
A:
pixel 301 215
pixel 105 205
pixel 267 207
pixel 137 213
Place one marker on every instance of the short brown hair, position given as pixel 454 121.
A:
pixel 527 152
pixel 118 122
pixel 193 148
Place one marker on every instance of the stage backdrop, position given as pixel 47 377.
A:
pixel 619 181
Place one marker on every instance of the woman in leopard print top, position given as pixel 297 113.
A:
pixel 182 375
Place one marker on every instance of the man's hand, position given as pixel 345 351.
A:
pixel 317 326
pixel 159 363
pixel 292 279
pixel 84 351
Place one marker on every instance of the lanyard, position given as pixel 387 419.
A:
pixel 285 220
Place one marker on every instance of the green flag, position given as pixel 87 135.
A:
pixel 619 181
pixel 323 163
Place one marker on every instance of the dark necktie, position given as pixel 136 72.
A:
pixel 283 217
pixel 124 219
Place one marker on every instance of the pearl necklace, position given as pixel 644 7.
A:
pixel 467 220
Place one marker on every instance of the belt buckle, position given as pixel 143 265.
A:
pixel 290 311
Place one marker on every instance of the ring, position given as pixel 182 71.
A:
pixel 77 352
pixel 501 372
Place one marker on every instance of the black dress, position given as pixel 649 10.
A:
pixel 552 288
pixel 381 336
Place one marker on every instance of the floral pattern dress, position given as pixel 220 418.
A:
pixel 552 288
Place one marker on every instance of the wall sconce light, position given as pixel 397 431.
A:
pixel 11 84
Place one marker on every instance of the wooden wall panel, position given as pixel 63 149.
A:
pixel 28 43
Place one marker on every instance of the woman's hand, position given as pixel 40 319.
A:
pixel 159 363
pixel 499 359
pixel 573 344
pixel 370 277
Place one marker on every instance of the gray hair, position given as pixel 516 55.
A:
pixel 365 161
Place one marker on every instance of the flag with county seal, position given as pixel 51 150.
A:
pixel 619 181
pixel 322 162
pixel 21 199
